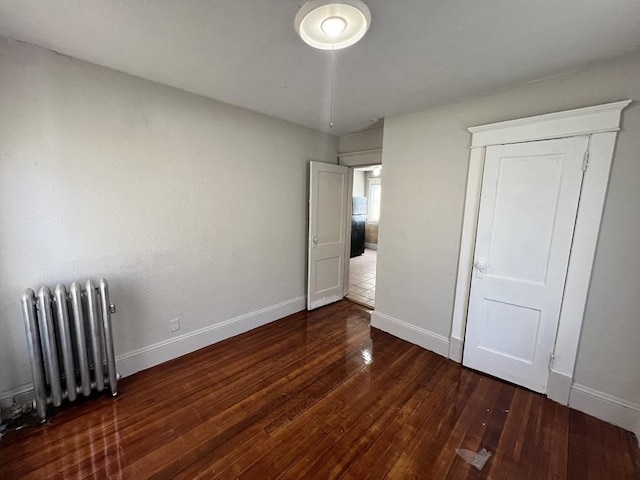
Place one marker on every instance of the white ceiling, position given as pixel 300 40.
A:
pixel 417 53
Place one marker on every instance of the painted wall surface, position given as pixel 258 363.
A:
pixel 371 229
pixel 359 189
pixel 192 209
pixel 361 149
pixel 427 152
pixel 367 140
pixel 371 233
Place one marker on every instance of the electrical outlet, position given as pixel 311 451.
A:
pixel 174 324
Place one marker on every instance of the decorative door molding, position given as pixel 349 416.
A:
pixel 601 123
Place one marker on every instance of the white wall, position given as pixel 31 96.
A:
pixel 361 149
pixel 357 142
pixel 359 189
pixel 189 207
pixel 427 152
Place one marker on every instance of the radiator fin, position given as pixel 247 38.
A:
pixel 70 342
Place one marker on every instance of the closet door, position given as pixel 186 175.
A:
pixel 528 206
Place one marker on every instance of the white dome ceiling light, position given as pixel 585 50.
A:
pixel 332 24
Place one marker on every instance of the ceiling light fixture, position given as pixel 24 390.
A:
pixel 332 24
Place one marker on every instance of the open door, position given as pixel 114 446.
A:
pixel 328 194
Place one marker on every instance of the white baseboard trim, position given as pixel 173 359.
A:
pixel 411 333
pixel 609 408
pixel 7 397
pixel 455 349
pixel 559 387
pixel 372 246
pixel 152 355
pixel 161 352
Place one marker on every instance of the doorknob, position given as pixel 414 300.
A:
pixel 315 240
pixel 481 265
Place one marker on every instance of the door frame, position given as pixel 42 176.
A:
pixel 351 167
pixel 601 123
pixel 347 232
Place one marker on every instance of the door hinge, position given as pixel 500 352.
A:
pixel 552 359
pixel 585 161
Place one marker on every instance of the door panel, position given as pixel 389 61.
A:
pixel 328 273
pixel 497 323
pixel 327 233
pixel 329 194
pixel 528 206
pixel 524 217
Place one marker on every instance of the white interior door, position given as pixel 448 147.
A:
pixel 328 194
pixel 528 205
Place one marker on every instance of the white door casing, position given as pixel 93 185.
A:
pixel 601 123
pixel 528 207
pixel 328 194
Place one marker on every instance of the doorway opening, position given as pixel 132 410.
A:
pixel 367 194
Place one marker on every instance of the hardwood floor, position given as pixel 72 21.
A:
pixel 317 395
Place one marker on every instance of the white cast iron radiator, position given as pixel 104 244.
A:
pixel 70 342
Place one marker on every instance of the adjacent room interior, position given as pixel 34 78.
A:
pixel 201 276
pixel 365 218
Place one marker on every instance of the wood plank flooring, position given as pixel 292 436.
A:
pixel 317 395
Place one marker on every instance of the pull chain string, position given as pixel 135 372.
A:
pixel 333 68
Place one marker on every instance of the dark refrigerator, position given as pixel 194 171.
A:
pixel 358 219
